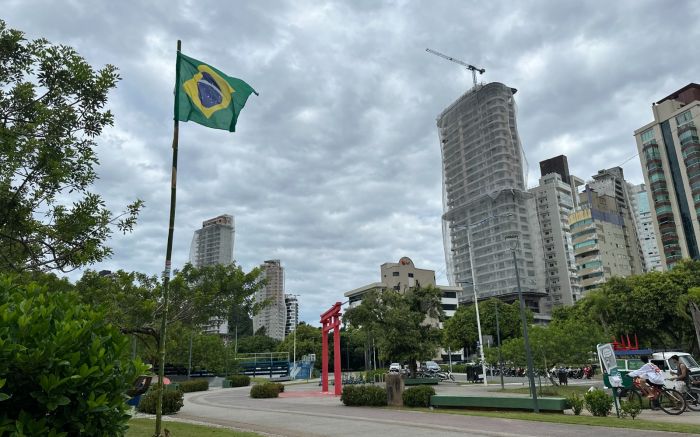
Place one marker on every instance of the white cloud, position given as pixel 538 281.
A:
pixel 335 167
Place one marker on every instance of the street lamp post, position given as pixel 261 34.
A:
pixel 476 301
pixel 500 360
pixel 296 323
pixel 473 273
pixel 528 352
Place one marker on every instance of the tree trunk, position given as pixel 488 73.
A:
pixel 413 367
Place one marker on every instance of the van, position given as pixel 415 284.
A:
pixel 662 360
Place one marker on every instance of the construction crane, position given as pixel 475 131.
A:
pixel 470 67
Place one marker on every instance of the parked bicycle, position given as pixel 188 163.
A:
pixel 669 400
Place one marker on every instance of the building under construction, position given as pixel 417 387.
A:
pixel 485 198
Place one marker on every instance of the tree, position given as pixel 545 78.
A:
pixel 257 344
pixel 404 326
pixel 197 295
pixel 64 370
pixel 208 351
pixel 308 341
pixel 51 113
pixel 460 331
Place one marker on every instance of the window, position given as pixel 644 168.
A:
pixel 647 135
pixel 410 275
pixel 394 273
pixel 683 118
pixel 449 306
pixel 449 294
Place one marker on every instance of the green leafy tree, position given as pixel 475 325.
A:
pixel 64 370
pixel 197 295
pixel 208 351
pixel 51 113
pixel 257 344
pixel 308 341
pixel 404 325
pixel 460 331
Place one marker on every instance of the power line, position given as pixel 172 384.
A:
pixel 628 159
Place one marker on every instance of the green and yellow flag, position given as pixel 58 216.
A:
pixel 207 96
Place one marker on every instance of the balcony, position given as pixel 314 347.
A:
pixel 669 239
pixel 586 250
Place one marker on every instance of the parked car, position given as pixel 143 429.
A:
pixel 394 368
pixel 432 366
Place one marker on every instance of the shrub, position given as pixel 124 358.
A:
pixel 266 390
pixel 63 369
pixel 631 409
pixel 576 403
pixel 363 395
pixel 418 396
pixel 280 387
pixel 598 403
pixel 194 385
pixel 239 380
pixel 172 401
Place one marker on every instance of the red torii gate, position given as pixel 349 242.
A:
pixel 330 320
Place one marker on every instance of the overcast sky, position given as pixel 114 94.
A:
pixel 335 167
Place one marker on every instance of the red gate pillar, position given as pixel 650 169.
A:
pixel 330 320
pixel 337 370
pixel 324 358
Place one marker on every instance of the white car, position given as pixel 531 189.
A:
pixel 394 368
pixel 432 366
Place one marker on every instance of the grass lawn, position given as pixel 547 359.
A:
pixel 146 428
pixel 610 421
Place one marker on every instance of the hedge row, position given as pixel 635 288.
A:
pixel 194 385
pixel 363 395
pixel 172 401
pixel 418 396
pixel 239 380
pixel 266 390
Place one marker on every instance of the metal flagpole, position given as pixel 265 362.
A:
pixel 168 254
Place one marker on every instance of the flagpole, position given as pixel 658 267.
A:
pixel 168 254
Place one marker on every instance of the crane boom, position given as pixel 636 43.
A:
pixel 470 67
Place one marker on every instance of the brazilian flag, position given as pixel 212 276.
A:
pixel 207 96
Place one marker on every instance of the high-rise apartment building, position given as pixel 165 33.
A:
pixel 213 243
pixel 645 228
pixel 292 307
pixel 669 151
pixel 600 239
pixel 274 315
pixel 484 196
pixel 612 182
pixel 554 200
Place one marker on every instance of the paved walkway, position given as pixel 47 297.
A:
pixel 302 414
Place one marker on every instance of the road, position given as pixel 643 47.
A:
pixel 302 412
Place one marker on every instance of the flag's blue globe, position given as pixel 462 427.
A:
pixel 209 91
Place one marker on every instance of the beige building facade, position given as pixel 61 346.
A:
pixel 600 241
pixel 554 200
pixel 669 151
pixel 274 316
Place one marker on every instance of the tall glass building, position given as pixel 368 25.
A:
pixel 484 195
pixel 669 151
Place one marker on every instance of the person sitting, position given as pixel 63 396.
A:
pixel 651 378
pixel 682 377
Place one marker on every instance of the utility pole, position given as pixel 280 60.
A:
pixel 470 67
